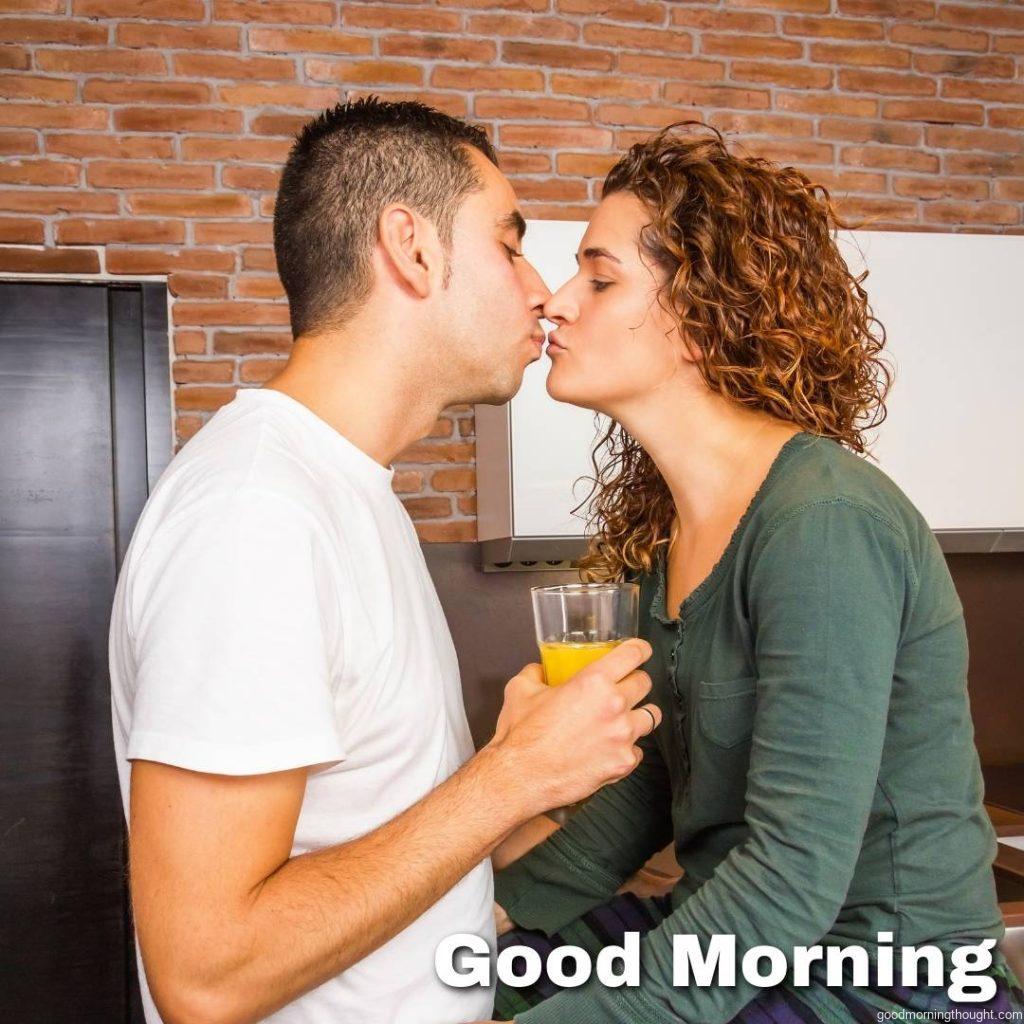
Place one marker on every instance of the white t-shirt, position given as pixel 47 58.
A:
pixel 274 610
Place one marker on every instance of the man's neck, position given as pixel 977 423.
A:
pixel 363 388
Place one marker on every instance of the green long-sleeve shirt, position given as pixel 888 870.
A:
pixel 816 764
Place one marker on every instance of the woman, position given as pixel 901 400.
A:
pixel 815 766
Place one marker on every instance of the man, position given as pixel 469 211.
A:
pixel 307 820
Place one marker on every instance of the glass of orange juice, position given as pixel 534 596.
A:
pixel 580 622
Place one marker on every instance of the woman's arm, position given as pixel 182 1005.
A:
pixel 827 597
pixel 585 861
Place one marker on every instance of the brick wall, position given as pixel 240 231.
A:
pixel 145 136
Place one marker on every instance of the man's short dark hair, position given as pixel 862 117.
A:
pixel 346 165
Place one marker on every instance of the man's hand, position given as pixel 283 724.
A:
pixel 564 742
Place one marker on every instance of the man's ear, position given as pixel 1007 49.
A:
pixel 411 248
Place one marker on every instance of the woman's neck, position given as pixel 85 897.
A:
pixel 712 453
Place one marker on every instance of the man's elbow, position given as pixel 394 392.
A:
pixel 179 1002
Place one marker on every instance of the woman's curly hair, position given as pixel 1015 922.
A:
pixel 758 285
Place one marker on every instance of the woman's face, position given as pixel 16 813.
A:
pixel 613 342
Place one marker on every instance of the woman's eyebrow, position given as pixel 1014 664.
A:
pixel 593 252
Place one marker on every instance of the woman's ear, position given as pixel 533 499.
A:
pixel 411 248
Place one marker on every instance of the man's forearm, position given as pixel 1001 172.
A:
pixel 322 912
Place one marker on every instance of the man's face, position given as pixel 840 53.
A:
pixel 492 306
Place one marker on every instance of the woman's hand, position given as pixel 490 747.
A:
pixel 502 922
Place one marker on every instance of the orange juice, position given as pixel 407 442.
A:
pixel 561 660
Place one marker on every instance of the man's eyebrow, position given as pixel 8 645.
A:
pixel 594 251
pixel 515 221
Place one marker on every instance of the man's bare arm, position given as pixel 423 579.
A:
pixel 232 928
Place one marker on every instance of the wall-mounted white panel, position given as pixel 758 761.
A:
pixel 953 308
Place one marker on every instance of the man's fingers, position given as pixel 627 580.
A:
pixel 645 719
pixel 635 687
pixel 528 679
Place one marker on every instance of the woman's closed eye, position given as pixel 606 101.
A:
pixel 599 286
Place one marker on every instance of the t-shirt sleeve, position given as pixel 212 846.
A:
pixel 235 625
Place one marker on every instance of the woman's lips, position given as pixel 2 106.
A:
pixel 554 343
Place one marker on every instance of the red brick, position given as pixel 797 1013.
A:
pixel 686 69
pixel 77 231
pixel 123 147
pixel 171 10
pixel 197 314
pixel 51 30
pixel 364 72
pixel 615 10
pixel 437 48
pixel 887 83
pixel 511 108
pixel 551 211
pixel 38 172
pixel 122 92
pixel 647 39
pixel 35 87
pixel 206 398
pixel 588 165
pixel 466 504
pixel 459 531
pixel 794 6
pixel 550 189
pixel 597 86
pixel 826 103
pixel 39 115
pixel 558 56
pixel 189 343
pixel 454 480
pixel 21 231
pixel 1010 188
pixel 32 6
pixel 849 181
pixel 136 174
pixel 55 201
pixel 935 187
pixel 864 55
pixel 524 163
pixel 787 76
pixel 311 98
pixel 178 37
pixel 943 137
pixel 394 19
pixel 832 28
pixel 530 136
pixel 877 212
pixel 723 21
pixel 447 103
pixel 906 10
pixel 178 119
pixel 284 13
pixel 15 58
pixel 523 27
pixel 438 452
pixel 987 164
pixel 789 151
pixel 990 92
pixel 18 143
pixel 268 151
pixel 264 179
pixel 269 287
pixel 869 131
pixel 203 371
pixel 107 61
pixel 889 157
pixel 407 481
pixel 308 40
pixel 934 37
pixel 186 427
pixel 428 507
pixel 259 371
pixel 460 77
pixel 228 233
pixel 49 261
pixel 258 258
pixel 165 261
pixel 974 16
pixel 716 96
pixel 751 46
pixel 209 65
pixel 251 342
pixel 762 124
pixel 961 65
pixel 1006 117
pixel 174 204
pixel 934 111
pixel 972 213
pixel 1009 44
